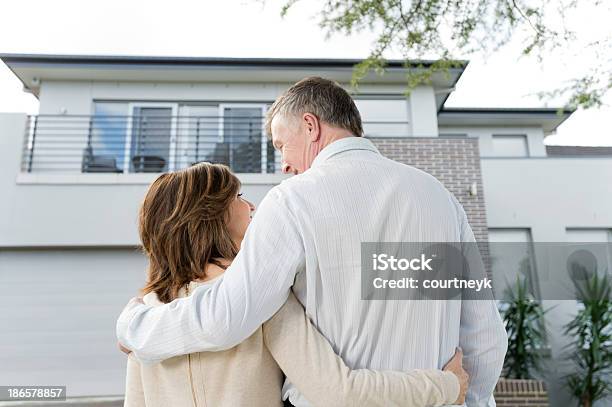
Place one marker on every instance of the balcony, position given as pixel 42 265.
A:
pixel 156 142
pixel 145 144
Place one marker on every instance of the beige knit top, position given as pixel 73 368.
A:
pixel 251 373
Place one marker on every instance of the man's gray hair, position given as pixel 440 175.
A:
pixel 321 97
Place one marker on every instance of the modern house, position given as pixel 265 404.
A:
pixel 73 176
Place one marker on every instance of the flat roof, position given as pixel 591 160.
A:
pixel 548 118
pixel 9 58
pixel 31 69
pixel 578 151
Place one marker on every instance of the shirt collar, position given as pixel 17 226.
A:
pixel 344 144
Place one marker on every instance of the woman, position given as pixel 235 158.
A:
pixel 191 225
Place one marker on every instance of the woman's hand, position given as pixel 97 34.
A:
pixel 123 348
pixel 455 366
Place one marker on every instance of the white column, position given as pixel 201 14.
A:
pixel 423 111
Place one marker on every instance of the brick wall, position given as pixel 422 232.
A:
pixel 453 161
pixel 516 393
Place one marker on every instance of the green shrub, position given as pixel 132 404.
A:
pixel 524 320
pixel 591 347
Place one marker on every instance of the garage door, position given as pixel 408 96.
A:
pixel 58 312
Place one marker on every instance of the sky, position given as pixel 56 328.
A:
pixel 240 28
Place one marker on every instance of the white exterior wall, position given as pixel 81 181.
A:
pixel 50 210
pixel 77 97
pixel 424 115
pixel 549 195
pixel 394 112
pixel 535 137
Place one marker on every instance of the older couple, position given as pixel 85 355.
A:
pixel 233 303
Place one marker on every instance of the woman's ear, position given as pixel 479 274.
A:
pixel 313 127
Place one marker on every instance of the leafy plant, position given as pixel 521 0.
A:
pixel 524 319
pixel 448 30
pixel 591 348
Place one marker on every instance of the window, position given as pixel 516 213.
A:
pixel 198 133
pixel 244 144
pixel 131 136
pixel 134 136
pixel 105 149
pixel 512 256
pixel 152 138
pixel 595 240
pixel 599 235
pixel 510 146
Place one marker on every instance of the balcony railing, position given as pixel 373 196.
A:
pixel 153 143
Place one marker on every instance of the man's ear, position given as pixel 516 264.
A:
pixel 313 127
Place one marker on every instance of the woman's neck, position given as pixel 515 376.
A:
pixel 212 270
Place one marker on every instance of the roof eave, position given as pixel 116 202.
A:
pixel 106 67
pixel 548 118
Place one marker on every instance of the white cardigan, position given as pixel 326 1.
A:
pixel 250 374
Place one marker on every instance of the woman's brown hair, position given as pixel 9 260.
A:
pixel 182 226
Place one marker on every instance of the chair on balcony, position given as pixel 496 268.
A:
pixel 98 163
pixel 148 163
pixel 241 157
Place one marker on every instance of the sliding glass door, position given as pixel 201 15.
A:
pixel 164 136
pixel 152 138
pixel 243 142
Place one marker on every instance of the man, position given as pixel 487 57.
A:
pixel 306 236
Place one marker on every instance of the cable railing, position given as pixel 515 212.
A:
pixel 153 143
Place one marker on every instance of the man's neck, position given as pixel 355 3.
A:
pixel 327 136
pixel 332 136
